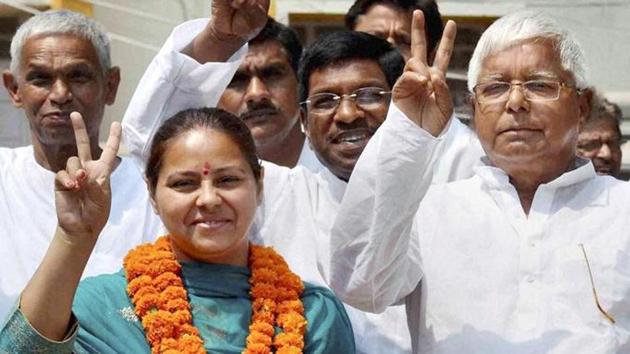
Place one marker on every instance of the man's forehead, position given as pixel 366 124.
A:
pixel 358 72
pixel 381 14
pixel 67 47
pixel 262 54
pixel 531 59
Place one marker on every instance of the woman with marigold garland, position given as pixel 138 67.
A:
pixel 203 288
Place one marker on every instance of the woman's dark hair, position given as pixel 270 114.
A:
pixel 341 47
pixel 191 119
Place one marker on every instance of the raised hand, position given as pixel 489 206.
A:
pixel 82 190
pixel 241 19
pixel 421 91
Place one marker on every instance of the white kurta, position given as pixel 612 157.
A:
pixel 493 279
pixel 298 206
pixel 28 221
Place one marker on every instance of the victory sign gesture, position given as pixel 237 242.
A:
pixel 421 92
pixel 82 190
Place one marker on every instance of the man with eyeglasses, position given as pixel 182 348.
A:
pixel 532 253
pixel 600 137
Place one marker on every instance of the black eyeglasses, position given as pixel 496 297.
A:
pixel 367 98
pixel 534 90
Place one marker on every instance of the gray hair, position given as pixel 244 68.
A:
pixel 524 26
pixel 61 22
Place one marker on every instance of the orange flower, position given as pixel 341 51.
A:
pixel 264 291
pixel 137 283
pixel 165 280
pixel 161 301
pixel 289 339
pixel 291 306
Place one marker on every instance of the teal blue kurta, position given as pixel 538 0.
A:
pixel 221 309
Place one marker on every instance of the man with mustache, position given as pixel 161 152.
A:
pixel 345 83
pixel 263 92
pixel 60 63
pixel 600 137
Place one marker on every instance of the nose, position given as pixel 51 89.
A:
pixel 348 111
pixel 516 100
pixel 257 91
pixel 208 197
pixel 60 92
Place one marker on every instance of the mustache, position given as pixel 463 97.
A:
pixel 259 110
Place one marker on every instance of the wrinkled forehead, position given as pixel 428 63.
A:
pixel 534 58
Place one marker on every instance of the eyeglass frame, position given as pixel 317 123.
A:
pixel 561 84
pixel 339 98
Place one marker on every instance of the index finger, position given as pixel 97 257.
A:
pixel 418 37
pixel 445 49
pixel 108 156
pixel 81 136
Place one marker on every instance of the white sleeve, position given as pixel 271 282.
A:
pixel 375 256
pixel 174 82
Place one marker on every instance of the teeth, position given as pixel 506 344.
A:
pixel 352 137
pixel 211 224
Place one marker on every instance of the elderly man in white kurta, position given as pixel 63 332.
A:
pixel 298 206
pixel 60 62
pixel 532 253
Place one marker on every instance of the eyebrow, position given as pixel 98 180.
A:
pixel 373 83
pixel 193 173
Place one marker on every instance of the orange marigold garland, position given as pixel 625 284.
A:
pixel 161 302
pixel 276 293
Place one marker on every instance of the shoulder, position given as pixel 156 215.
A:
pixel 328 329
pixel 11 155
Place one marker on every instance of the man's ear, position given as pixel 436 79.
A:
pixel 10 82
pixel 586 102
pixel 112 80
pixel 304 122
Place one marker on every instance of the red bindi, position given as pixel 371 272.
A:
pixel 206 169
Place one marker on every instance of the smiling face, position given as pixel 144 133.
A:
pixel 339 138
pixel 521 135
pixel 263 93
pixel 59 74
pixel 206 195
pixel 389 23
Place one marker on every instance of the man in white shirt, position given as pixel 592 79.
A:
pixel 298 206
pixel 531 254
pixel 263 93
pixel 60 64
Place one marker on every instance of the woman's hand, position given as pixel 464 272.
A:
pixel 82 190
pixel 421 92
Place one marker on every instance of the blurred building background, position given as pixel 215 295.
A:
pixel 138 28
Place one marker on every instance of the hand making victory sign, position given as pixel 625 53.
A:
pixel 83 201
pixel 82 190
pixel 421 92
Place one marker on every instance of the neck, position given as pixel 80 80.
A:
pixel 527 178
pixel 54 157
pixel 287 153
